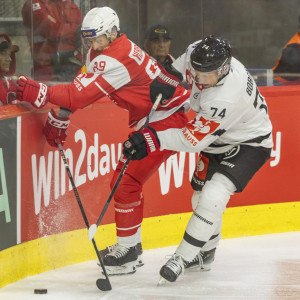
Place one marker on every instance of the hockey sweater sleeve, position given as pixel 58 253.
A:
pixel 201 132
pixel 109 75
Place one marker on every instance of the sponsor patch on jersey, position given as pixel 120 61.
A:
pixel 189 137
pixel 199 129
pixel 137 54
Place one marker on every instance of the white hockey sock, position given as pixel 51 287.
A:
pixel 130 241
pixel 207 217
pixel 199 230
pixel 214 240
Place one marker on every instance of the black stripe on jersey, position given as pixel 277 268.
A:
pixel 189 239
pixel 256 140
pixel 219 132
pixel 214 236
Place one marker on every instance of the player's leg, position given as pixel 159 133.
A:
pixel 202 224
pixel 129 202
pixel 203 260
pixel 242 162
pixel 126 255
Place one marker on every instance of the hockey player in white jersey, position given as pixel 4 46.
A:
pixel 233 133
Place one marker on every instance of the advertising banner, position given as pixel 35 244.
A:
pixel 93 146
pixel 8 183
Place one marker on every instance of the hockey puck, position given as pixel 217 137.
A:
pixel 40 291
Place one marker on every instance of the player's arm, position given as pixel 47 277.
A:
pixel 109 75
pixel 166 82
pixel 194 137
pixel 71 96
pixel 211 122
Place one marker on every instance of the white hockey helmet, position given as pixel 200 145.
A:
pixel 98 21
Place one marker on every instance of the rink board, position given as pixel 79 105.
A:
pixel 38 207
pixel 73 247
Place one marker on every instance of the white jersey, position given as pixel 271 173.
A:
pixel 230 113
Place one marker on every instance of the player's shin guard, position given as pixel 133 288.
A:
pixel 124 257
pixel 207 216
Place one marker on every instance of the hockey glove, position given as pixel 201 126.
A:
pixel 165 83
pixel 33 92
pixel 55 129
pixel 141 144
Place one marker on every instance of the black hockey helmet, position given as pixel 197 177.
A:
pixel 210 54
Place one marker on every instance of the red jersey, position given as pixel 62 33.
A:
pixel 123 72
pixel 54 24
pixel 8 90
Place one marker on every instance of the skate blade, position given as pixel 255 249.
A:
pixel 139 263
pixel 162 281
pixel 198 268
pixel 126 269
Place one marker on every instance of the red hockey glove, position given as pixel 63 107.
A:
pixel 165 83
pixel 141 144
pixel 31 91
pixel 55 129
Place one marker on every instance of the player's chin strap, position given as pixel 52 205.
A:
pixel 93 228
pixel 102 283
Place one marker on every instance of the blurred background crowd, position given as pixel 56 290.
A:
pixel 41 38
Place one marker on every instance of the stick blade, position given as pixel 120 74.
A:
pixel 92 231
pixel 103 284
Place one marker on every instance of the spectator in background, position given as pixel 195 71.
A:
pixel 51 27
pixel 157 45
pixel 7 68
pixel 289 61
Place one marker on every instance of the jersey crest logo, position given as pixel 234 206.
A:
pixel 199 129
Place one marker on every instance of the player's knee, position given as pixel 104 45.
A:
pixel 129 190
pixel 195 199
pixel 215 195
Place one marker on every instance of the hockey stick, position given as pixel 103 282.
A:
pixel 93 228
pixel 102 284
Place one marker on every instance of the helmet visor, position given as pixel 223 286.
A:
pixel 88 42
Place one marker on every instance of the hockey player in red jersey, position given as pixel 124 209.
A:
pixel 233 133
pixel 51 30
pixel 117 68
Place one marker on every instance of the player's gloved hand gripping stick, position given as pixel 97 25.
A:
pixel 102 283
pixel 93 227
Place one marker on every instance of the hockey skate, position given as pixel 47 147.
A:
pixel 172 269
pixel 176 265
pixel 121 260
pixel 202 261
pixel 139 248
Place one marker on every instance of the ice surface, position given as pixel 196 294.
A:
pixel 260 267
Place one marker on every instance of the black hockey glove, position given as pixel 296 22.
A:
pixel 165 83
pixel 141 144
